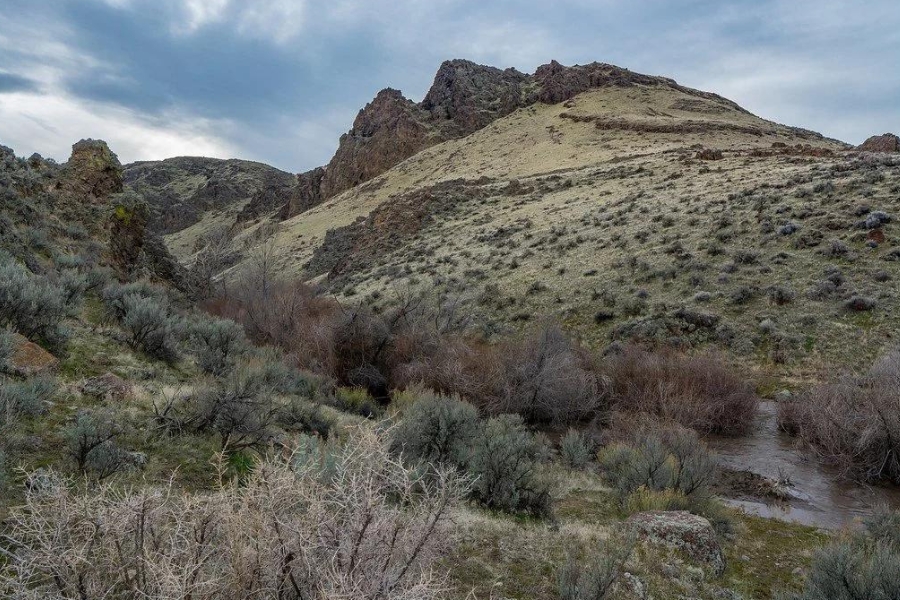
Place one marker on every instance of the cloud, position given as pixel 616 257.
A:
pixel 49 124
pixel 10 82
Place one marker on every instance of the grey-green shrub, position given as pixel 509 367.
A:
pixel 505 462
pixel 150 326
pixel 7 348
pixel 864 565
pixel 217 343
pixel 90 442
pixel 575 449
pixel 32 305
pixel 73 286
pixel 674 459
pixel 595 577
pixel 304 416
pixel 438 430
pixel 239 407
pixel 114 294
pixel 25 397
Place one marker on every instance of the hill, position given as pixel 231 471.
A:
pixel 627 206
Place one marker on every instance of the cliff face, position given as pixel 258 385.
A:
pixel 463 98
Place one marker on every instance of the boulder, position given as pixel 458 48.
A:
pixel 690 533
pixel 106 387
pixel 30 359
pixel 881 143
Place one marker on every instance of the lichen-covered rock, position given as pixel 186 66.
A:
pixel 106 387
pixel 887 142
pixel 30 359
pixel 690 533
pixel 93 172
pixel 128 225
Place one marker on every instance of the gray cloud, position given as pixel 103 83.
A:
pixel 280 80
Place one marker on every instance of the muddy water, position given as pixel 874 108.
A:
pixel 820 496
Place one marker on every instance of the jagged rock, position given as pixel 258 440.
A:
pixel 30 359
pixel 306 194
pixel 881 143
pixel 472 96
pixel 682 530
pixel 93 171
pixel 387 131
pixel 106 387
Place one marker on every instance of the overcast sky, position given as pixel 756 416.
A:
pixel 279 80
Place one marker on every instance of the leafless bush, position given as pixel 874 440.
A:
pixel 699 392
pixel 547 378
pixel 853 422
pixel 327 522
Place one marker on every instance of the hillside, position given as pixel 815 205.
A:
pixel 636 210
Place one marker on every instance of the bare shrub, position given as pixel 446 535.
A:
pixel 547 378
pixel 853 421
pixel 699 392
pixel 327 522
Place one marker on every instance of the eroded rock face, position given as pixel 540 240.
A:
pixel 881 143
pixel 467 96
pixel 306 194
pixel 93 171
pixel 387 131
pixel 690 533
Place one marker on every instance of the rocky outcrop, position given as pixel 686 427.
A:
pixel 881 143
pixel 386 132
pixel 306 194
pixel 92 172
pixel 684 531
pixel 106 387
pixel 464 98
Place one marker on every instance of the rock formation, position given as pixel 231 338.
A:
pixel 93 171
pixel 881 143
pixel 463 98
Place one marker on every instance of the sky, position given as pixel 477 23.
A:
pixel 279 81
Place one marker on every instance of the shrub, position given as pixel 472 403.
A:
pixel 25 398
pixel 699 392
pixel 239 407
pixel 332 522
pixel 356 401
pixel 217 343
pixel 90 442
pixel 73 285
pixel 595 578
pixel 113 296
pixel 150 327
pixel 860 304
pixel 859 565
pixel 307 417
pixel 546 378
pixel 853 421
pixel 662 469
pixel 575 450
pixel 7 348
pixel 437 430
pixel 31 305
pixel 505 462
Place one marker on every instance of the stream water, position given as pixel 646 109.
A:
pixel 820 496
